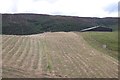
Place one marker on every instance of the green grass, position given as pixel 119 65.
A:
pixel 98 39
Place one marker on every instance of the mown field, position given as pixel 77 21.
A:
pixel 106 42
pixel 56 54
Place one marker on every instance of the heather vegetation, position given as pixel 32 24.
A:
pixel 22 24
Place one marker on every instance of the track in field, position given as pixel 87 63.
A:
pixel 57 54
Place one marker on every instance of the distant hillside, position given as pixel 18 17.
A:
pixel 38 23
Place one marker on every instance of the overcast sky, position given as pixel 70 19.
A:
pixel 82 8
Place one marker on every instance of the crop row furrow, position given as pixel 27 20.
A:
pixel 13 49
pixel 18 52
pixel 64 63
pixel 104 58
pixel 85 70
pixel 61 63
pixel 28 59
pixel 44 57
pixel 68 59
pixel 55 55
pixel 48 55
pixel 5 38
pixel 6 44
pixel 36 55
pixel 69 53
pixel 58 62
pixel 57 59
pixel 39 56
pixel 24 54
pixel 95 67
pixel 86 63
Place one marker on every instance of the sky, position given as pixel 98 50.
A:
pixel 81 8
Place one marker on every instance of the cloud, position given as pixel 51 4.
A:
pixel 14 6
pixel 50 1
pixel 111 8
pixel 84 8
pixel 119 9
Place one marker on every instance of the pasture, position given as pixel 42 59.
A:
pixel 100 39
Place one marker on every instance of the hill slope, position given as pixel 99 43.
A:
pixel 58 54
pixel 38 23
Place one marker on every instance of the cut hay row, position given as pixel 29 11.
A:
pixel 82 60
pixel 13 50
pixel 5 38
pixel 36 57
pixel 39 56
pixel 58 66
pixel 6 42
pixel 61 61
pixel 24 55
pixel 16 56
pixel 95 67
pixel 21 53
pixel 9 46
pixel 69 58
pixel 76 58
pixel 58 61
pixel 27 63
pixel 69 62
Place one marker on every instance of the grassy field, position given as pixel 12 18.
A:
pixel 54 55
pixel 106 42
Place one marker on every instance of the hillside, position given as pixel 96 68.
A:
pixel 54 55
pixel 39 23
